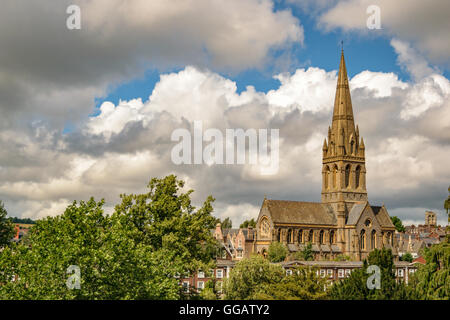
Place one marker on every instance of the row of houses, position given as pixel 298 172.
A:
pixel 331 270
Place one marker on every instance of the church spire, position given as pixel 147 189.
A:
pixel 343 121
pixel 344 170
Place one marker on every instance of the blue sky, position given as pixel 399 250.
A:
pixel 320 49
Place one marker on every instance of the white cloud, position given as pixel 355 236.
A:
pixel 131 143
pixel 423 23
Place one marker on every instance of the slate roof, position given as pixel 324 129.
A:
pixel 357 209
pixel 283 211
pixel 355 213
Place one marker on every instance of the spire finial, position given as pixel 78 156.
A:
pixel 342 46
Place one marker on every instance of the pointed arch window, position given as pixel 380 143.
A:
pixel 327 176
pixel 300 236
pixel 321 237
pixel 347 176
pixel 290 237
pixel 334 177
pixel 373 239
pixel 331 236
pixel 363 239
pixel 357 176
pixel 311 236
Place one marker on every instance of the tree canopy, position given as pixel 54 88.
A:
pixel 248 223
pixel 257 278
pixel 6 227
pixel 277 252
pixel 138 252
pixel 398 224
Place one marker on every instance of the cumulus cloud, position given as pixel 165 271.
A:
pixel 51 76
pixel 119 149
pixel 424 24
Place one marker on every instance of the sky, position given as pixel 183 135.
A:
pixel 90 112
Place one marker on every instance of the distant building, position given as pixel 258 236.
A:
pixel 21 229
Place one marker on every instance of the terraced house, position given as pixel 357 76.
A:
pixel 344 222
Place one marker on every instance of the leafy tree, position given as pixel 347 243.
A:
pixel 250 276
pixel 355 286
pixel 302 284
pixel 23 220
pixel 248 223
pixel 407 257
pixel 432 280
pixel 258 279
pixel 307 253
pixel 225 224
pixel 136 253
pixel 342 257
pixel 6 227
pixel 398 224
pixel 277 252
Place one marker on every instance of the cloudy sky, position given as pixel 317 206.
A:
pixel 90 112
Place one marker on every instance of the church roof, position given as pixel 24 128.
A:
pixel 381 215
pixel 283 211
pixel 355 213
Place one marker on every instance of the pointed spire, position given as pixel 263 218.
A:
pixel 325 146
pixel 361 146
pixel 343 111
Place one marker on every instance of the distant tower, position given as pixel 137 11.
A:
pixel 344 164
pixel 430 218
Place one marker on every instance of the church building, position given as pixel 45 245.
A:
pixel 344 222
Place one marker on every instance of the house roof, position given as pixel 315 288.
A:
pixel 283 211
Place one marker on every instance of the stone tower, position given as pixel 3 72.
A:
pixel 344 164
pixel 430 218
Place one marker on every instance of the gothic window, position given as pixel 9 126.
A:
pixel 300 236
pixel 357 176
pixel 327 176
pixel 311 236
pixel 265 228
pixel 363 240
pixel 352 147
pixel 279 235
pixel 334 177
pixel 290 237
pixel 331 237
pixel 373 239
pixel 321 237
pixel 388 236
pixel 347 176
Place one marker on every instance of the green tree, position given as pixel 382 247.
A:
pixel 258 279
pixel 277 252
pixel 249 277
pixel 432 280
pixel 306 254
pixel 355 286
pixel 6 227
pixel 407 257
pixel 136 253
pixel 226 223
pixel 248 223
pixel 398 224
pixel 302 284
